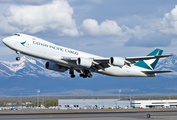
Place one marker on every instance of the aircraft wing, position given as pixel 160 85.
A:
pixel 146 57
pixel 106 60
pixel 101 63
pixel 97 63
pixel 129 60
pixel 152 72
pixel 101 60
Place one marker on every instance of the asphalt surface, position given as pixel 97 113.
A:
pixel 90 115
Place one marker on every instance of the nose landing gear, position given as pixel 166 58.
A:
pixel 18 54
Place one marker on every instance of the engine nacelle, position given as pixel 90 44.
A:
pixel 85 62
pixel 117 61
pixel 53 66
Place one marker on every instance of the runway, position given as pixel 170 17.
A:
pixel 140 115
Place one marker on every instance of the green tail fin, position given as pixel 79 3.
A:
pixel 151 63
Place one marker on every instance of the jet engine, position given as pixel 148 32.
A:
pixel 53 66
pixel 117 61
pixel 85 62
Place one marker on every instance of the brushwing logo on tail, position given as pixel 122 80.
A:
pixel 151 63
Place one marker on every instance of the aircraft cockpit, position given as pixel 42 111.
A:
pixel 17 34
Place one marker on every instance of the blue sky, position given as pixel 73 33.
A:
pixel 105 28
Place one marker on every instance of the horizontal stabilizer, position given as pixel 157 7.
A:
pixel 152 72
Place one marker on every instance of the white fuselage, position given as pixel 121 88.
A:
pixel 42 49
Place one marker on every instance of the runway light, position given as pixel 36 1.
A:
pixel 38 91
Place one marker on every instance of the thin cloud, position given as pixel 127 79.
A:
pixel 26 2
pixel 107 27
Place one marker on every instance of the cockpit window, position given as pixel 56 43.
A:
pixel 17 34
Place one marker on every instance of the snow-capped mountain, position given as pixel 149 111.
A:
pixel 27 66
pixel 169 63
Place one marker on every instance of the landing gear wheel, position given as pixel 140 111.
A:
pixel 17 58
pixel 71 72
pixel 90 76
pixel 85 76
pixel 86 73
pixel 81 75
pixel 73 76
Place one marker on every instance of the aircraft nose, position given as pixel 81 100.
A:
pixel 6 41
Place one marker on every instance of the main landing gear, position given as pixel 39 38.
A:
pixel 18 54
pixel 71 72
pixel 85 74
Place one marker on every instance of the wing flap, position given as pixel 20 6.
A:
pixel 69 58
pixel 101 60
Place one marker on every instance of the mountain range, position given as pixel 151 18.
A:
pixel 27 66
pixel 29 74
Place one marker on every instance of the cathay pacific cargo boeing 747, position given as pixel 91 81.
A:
pixel 61 59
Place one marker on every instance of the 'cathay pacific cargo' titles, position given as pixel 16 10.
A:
pixel 61 59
